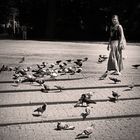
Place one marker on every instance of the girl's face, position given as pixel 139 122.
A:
pixel 115 20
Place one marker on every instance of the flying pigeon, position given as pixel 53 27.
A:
pixel 41 109
pixel 114 79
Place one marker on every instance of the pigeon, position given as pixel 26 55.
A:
pixel 64 126
pixel 103 76
pixel 69 60
pixel 136 66
pixel 131 86
pixel 100 60
pixel 22 60
pixel 58 62
pixel 40 81
pixel 65 64
pixel 59 87
pixel 79 63
pixel 114 79
pixel 45 89
pixel 103 57
pixel 115 95
pixel 88 95
pixel 43 64
pixel 52 65
pixel 78 60
pixel 85 59
pixel 27 69
pixel 15 76
pixel 85 99
pixel 85 133
pixel 29 78
pixel 22 72
pixel 39 66
pixel 41 109
pixel 16 68
pixel 10 68
pixel 53 75
pixel 3 68
pixel 18 81
pixel 86 113
pixel 79 70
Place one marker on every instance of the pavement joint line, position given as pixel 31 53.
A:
pixel 71 120
pixel 73 88
pixel 61 102
pixel 49 80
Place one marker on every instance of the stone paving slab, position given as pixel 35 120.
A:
pixel 116 128
pixel 125 129
pixel 61 111
pixel 65 95
pixel 87 82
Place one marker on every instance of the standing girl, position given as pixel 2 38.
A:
pixel 116 44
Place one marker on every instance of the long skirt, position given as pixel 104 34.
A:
pixel 115 57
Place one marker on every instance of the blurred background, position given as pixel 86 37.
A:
pixel 81 20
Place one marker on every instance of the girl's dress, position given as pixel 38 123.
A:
pixel 115 61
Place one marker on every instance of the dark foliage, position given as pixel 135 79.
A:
pixel 73 19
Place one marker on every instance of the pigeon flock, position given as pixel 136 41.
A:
pixel 42 71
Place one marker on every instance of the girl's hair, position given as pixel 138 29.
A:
pixel 115 16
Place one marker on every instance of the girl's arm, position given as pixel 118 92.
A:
pixel 121 35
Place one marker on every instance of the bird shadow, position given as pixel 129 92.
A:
pixel 15 85
pixel 36 115
pixel 37 85
pixel 57 129
pixel 82 137
pixel 127 89
pixel 112 99
pixel 135 68
pixel 113 83
pixel 64 79
pixel 57 91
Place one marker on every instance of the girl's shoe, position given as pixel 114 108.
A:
pixel 117 73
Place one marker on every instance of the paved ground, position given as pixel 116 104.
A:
pixel 113 121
